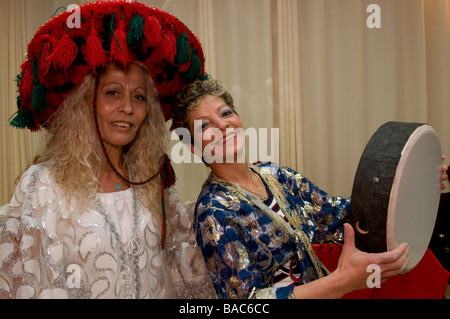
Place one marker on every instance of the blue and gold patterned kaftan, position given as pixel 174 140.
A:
pixel 244 242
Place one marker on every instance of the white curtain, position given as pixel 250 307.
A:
pixel 314 69
pixel 17 147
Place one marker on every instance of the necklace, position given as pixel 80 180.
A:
pixel 259 193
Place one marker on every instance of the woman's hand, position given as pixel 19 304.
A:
pixel 444 175
pixel 352 270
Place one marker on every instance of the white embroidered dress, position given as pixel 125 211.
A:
pixel 48 250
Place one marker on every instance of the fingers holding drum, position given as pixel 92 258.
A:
pixel 397 255
pixel 393 270
pixel 393 262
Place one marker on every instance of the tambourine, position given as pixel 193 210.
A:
pixel 396 190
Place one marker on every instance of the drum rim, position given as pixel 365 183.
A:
pixel 391 243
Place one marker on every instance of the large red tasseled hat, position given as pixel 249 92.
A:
pixel 74 44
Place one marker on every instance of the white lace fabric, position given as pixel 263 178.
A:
pixel 48 250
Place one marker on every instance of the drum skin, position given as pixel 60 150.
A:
pixel 373 207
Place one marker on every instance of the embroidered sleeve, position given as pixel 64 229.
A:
pixel 27 270
pixel 239 262
pixel 188 269
pixel 327 213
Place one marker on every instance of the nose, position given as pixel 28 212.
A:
pixel 126 105
pixel 221 123
pixel 217 128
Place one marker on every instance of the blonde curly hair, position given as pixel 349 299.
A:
pixel 75 155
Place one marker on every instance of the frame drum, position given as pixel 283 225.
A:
pixel 396 190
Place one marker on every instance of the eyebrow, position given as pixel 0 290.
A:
pixel 120 84
pixel 221 107
pixel 217 111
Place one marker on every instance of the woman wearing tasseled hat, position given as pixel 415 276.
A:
pixel 95 216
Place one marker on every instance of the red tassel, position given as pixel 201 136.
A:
pixel 95 55
pixel 65 53
pixel 119 47
pixel 171 48
pixel 167 173
pixel 168 179
pixel 166 49
pixel 26 83
pixel 152 32
pixel 45 62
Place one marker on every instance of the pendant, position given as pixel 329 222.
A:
pixel 263 198
pixel 117 187
pixel 133 246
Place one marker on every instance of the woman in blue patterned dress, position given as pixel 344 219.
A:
pixel 255 223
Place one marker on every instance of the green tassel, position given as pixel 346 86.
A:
pixel 183 49
pixel 34 67
pixel 194 69
pixel 39 100
pixel 163 206
pixel 136 30
pixel 17 79
pixel 23 119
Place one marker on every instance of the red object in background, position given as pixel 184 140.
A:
pixel 428 280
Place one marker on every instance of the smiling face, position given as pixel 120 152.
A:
pixel 218 128
pixel 121 104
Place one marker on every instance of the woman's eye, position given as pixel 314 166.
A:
pixel 141 98
pixel 111 93
pixel 204 125
pixel 227 113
